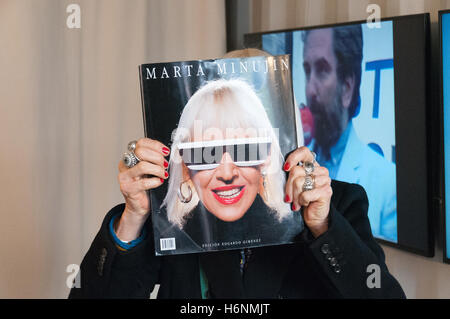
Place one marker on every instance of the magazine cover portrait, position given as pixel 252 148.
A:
pixel 229 124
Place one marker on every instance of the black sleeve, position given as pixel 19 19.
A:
pixel 108 272
pixel 348 254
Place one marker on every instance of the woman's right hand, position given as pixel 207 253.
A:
pixel 134 182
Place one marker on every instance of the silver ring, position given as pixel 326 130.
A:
pixel 309 168
pixel 132 146
pixel 309 183
pixel 130 159
pixel 315 156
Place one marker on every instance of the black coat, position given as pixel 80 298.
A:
pixel 333 265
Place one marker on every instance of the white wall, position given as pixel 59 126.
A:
pixel 69 104
pixel 420 277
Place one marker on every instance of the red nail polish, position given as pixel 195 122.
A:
pixel 286 166
pixel 293 207
pixel 287 199
pixel 162 180
pixel 165 150
pixel 166 164
pixel 166 174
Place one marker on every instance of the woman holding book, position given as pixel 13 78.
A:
pixel 328 260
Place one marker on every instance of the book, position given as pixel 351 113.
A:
pixel 229 124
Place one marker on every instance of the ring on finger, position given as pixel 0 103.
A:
pixel 130 159
pixel 310 182
pixel 308 167
pixel 314 157
pixel 132 146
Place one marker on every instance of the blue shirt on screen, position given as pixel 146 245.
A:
pixel 355 162
pixel 336 153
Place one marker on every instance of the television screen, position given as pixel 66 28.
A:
pixel 361 90
pixel 444 22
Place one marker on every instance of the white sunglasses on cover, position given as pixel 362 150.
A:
pixel 206 155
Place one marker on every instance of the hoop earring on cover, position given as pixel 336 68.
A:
pixel 264 174
pixel 182 198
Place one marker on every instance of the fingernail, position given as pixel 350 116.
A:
pixel 166 174
pixel 165 150
pixel 286 166
pixel 287 199
pixel 293 207
pixel 162 180
pixel 166 164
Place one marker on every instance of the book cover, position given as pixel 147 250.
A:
pixel 229 124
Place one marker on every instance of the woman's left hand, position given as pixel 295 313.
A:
pixel 315 202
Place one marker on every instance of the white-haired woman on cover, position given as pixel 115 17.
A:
pixel 226 178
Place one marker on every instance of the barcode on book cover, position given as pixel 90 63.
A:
pixel 167 243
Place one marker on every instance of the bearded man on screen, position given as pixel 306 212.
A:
pixel 332 59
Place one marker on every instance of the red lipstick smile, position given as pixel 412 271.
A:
pixel 228 195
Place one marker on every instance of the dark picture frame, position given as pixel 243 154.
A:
pixel 413 114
